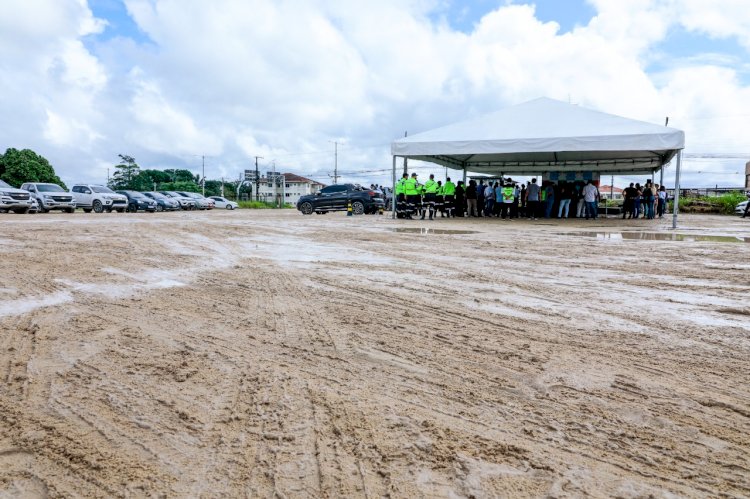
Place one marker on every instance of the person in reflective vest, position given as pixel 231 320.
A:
pixel 449 197
pixel 430 196
pixel 508 194
pixel 400 196
pixel 411 190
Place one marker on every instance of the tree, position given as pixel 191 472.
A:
pixel 180 175
pixel 180 186
pixel 125 174
pixel 17 167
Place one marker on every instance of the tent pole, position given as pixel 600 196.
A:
pixel 393 192
pixel 661 175
pixel 676 201
pixel 464 165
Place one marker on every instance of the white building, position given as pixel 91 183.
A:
pixel 289 186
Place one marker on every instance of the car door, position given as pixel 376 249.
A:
pixel 332 197
pixel 82 195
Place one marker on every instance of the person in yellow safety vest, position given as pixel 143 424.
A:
pixel 430 196
pixel 439 200
pixel 449 197
pixel 508 194
pixel 411 190
pixel 400 196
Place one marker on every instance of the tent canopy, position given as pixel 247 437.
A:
pixel 545 135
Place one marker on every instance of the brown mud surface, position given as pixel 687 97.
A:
pixel 263 354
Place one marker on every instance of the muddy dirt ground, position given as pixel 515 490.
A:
pixel 263 354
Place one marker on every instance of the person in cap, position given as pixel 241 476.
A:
pixel 411 189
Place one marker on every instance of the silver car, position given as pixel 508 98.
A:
pixel 51 197
pixel 15 200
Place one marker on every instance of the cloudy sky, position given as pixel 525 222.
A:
pixel 169 81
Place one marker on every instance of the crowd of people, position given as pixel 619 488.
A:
pixel 509 200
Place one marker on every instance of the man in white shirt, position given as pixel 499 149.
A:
pixel 590 195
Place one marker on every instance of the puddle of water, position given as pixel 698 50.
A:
pixel 424 231
pixel 657 236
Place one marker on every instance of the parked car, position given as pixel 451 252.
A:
pixel 224 203
pixel 98 198
pixel 51 197
pixel 201 202
pixel 186 203
pixel 15 200
pixel 137 201
pixel 740 209
pixel 337 198
pixel 163 203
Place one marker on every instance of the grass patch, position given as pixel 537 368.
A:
pixel 724 204
pixel 262 205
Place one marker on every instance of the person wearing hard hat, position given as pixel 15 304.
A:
pixel 411 190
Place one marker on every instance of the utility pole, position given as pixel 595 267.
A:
pixel 257 178
pixel 335 161
pixel 405 166
pixel 203 181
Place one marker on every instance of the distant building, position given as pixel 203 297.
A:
pixel 289 186
pixel 607 192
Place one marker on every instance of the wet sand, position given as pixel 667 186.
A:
pixel 259 353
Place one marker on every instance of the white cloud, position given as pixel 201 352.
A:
pixel 237 78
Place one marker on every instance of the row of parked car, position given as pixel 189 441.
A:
pixel 35 197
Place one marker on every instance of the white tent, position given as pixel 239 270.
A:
pixel 546 135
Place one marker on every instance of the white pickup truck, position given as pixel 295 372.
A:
pixel 98 198
pixel 51 197
pixel 15 200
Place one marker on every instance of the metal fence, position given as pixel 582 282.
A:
pixel 705 191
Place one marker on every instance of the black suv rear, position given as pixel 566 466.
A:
pixel 337 198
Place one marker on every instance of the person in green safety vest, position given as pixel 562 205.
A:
pixel 449 197
pixel 508 194
pixel 439 200
pixel 411 190
pixel 430 189
pixel 400 196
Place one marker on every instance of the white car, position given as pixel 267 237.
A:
pixel 51 197
pixel 740 209
pixel 224 203
pixel 98 198
pixel 16 200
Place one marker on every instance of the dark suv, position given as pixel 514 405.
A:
pixel 337 198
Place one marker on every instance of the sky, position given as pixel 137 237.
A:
pixel 193 84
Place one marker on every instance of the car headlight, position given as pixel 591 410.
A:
pixel 47 196
pixel 4 193
pixel 106 197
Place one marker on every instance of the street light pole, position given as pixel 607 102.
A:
pixel 203 168
pixel 257 178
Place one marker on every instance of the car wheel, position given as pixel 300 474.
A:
pixel 159 207
pixel 70 210
pixel 98 208
pixel 306 208
pixel 132 209
pixel 229 207
pixel 42 209
pixel 358 207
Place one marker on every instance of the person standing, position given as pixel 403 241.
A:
pixel 627 204
pixel 648 201
pixel 662 201
pixel 430 196
pixel 489 198
pixel 580 203
pixel 549 199
pixel 564 201
pixel 523 200
pixel 449 196
pixel 411 189
pixel 507 190
pixel 532 199
pixel 459 207
pixel 637 200
pixel 471 199
pixel 498 201
pixel 516 198
pixel 590 195
pixel 401 196
pixel 480 197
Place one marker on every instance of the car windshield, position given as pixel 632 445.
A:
pixel 3 184
pixel 156 195
pixel 134 194
pixel 101 188
pixel 49 188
